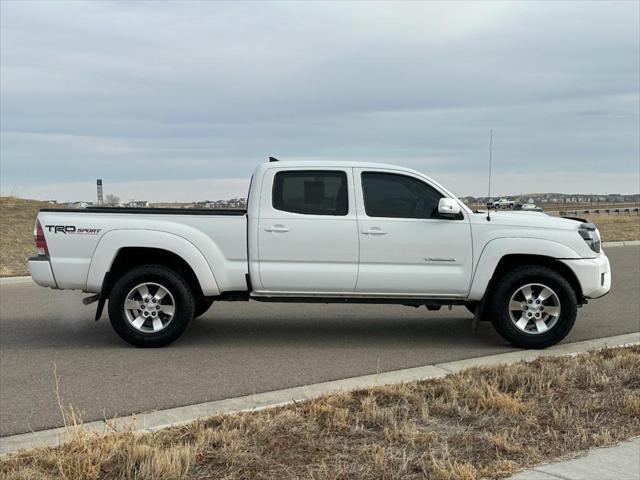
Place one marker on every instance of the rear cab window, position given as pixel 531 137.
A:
pixel 311 192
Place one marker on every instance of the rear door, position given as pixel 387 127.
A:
pixel 405 247
pixel 307 231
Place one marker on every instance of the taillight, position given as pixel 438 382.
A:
pixel 41 242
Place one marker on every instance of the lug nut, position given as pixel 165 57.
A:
pixel 529 301
pixel 146 300
pixel 525 307
pixel 541 308
pixel 153 314
pixel 537 301
pixel 142 307
pixel 157 307
pixel 528 314
pixel 154 300
pixel 146 314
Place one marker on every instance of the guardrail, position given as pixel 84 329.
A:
pixel 555 206
pixel 606 211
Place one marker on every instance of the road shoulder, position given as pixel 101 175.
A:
pixel 152 421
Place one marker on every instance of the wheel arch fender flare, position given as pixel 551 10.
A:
pixel 113 241
pixel 495 250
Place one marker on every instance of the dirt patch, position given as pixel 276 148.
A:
pixel 480 423
pixel 615 228
pixel 17 217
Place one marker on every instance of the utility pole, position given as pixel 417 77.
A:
pixel 99 191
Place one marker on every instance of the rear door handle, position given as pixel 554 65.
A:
pixel 277 229
pixel 374 231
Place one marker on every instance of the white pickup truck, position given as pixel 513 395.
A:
pixel 325 232
pixel 503 203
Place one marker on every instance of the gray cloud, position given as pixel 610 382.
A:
pixel 182 91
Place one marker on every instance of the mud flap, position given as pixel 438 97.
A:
pixel 477 317
pixel 100 307
pixel 103 295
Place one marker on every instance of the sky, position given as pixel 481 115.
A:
pixel 179 101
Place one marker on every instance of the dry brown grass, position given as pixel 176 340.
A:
pixel 617 227
pixel 17 217
pixel 481 423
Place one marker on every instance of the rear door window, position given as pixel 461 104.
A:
pixel 311 192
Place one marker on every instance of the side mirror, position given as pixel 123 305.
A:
pixel 447 207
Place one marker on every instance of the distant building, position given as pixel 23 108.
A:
pixel 559 198
pixel 232 203
pixel 237 203
pixel 137 204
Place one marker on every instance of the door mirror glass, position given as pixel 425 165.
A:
pixel 447 207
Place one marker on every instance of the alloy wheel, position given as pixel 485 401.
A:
pixel 534 308
pixel 149 307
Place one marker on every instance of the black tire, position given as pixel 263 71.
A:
pixel 202 306
pixel 171 281
pixel 498 310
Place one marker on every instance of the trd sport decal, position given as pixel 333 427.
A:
pixel 72 230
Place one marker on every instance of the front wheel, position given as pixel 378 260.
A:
pixel 533 307
pixel 150 306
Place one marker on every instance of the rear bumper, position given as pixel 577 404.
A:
pixel 594 275
pixel 41 273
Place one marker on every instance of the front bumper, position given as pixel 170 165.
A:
pixel 41 273
pixel 594 275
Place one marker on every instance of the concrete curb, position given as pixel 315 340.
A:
pixel 15 280
pixel 626 243
pixel 152 421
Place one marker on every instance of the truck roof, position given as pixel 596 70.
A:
pixel 348 164
pixel 333 163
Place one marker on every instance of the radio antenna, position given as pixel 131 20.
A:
pixel 490 158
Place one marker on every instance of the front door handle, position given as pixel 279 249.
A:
pixel 374 231
pixel 277 229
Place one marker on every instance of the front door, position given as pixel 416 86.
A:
pixel 307 231
pixel 405 247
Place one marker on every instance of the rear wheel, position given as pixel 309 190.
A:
pixel 533 307
pixel 150 306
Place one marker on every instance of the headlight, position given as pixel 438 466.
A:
pixel 591 235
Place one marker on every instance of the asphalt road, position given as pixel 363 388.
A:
pixel 241 348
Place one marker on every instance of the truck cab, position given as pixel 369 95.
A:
pixel 326 232
pixel 369 230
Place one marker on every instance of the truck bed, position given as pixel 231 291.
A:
pixel 83 243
